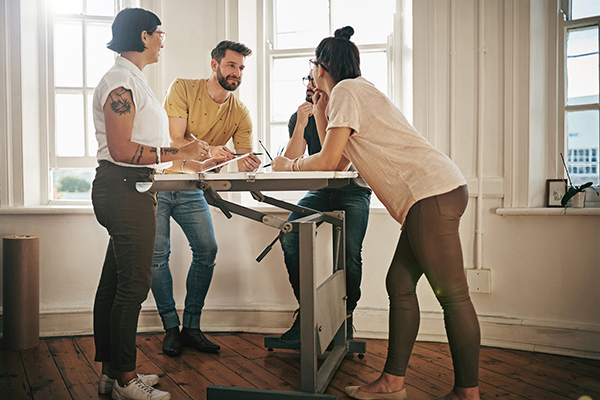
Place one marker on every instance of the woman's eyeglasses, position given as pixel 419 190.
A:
pixel 308 79
pixel 161 34
pixel 314 63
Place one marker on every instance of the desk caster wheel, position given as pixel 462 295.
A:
pixel 361 356
pixel 270 349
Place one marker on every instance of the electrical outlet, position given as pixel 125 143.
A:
pixel 479 280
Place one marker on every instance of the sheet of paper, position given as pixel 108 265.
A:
pixel 226 162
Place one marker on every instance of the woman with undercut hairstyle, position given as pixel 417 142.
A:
pixel 132 130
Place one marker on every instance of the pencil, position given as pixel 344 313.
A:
pixel 241 154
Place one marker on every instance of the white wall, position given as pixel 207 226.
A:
pixel 544 268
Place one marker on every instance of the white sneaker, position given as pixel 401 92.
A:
pixel 105 384
pixel 135 389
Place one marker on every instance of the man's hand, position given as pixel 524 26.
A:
pixel 304 112
pixel 221 151
pixel 250 163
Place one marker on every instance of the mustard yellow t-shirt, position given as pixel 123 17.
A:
pixel 209 121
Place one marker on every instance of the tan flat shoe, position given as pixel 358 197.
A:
pixel 356 393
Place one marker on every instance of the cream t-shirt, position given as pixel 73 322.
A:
pixel 150 125
pixel 397 162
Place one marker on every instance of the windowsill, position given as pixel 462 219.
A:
pixel 548 211
pixel 62 209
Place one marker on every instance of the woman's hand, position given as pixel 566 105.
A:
pixel 196 149
pixel 281 164
pixel 320 101
pixel 211 162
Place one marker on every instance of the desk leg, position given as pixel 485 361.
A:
pixel 308 297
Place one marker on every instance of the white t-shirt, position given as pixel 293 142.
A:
pixel 397 162
pixel 150 125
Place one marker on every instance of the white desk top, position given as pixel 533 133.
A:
pixel 308 180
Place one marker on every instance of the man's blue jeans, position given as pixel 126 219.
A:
pixel 355 204
pixel 190 210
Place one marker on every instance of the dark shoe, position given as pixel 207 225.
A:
pixel 171 344
pixel 195 339
pixel 293 334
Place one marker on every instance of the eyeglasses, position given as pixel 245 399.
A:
pixel 161 34
pixel 313 64
pixel 308 79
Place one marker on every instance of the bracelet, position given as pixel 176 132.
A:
pixel 294 163
pixel 182 165
pixel 298 163
pixel 157 155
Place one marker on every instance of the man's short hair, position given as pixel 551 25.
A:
pixel 219 52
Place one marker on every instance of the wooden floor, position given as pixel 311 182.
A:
pixel 63 368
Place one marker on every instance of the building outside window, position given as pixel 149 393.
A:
pixel 581 89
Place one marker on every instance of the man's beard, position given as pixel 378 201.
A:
pixel 223 81
pixel 309 96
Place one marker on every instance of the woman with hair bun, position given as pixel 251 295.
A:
pixel 421 187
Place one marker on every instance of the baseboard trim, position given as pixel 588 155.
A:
pixel 511 333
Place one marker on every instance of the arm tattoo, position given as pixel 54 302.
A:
pixel 119 104
pixel 138 152
pixel 172 150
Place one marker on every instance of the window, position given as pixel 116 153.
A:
pixel 79 32
pixel 296 28
pixel 582 87
pixel 287 40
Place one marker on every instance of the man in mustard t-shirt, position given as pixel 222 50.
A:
pixel 198 109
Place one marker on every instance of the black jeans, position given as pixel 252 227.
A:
pixel 430 245
pixel 130 218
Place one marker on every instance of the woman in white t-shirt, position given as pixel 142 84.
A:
pixel 132 130
pixel 421 188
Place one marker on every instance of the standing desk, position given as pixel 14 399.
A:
pixel 323 307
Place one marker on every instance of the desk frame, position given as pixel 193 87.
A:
pixel 319 326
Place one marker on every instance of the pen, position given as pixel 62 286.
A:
pixel 241 154
pixel 265 149
pixel 265 166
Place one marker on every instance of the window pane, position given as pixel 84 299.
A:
pixel 91 131
pixel 582 66
pixel 584 8
pixel 68 6
pixel 100 7
pixel 72 184
pixel 98 58
pixel 300 24
pixel 582 144
pixel 287 90
pixel 68 56
pixel 373 67
pixel 69 125
pixel 372 24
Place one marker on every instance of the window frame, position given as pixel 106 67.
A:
pixel 565 24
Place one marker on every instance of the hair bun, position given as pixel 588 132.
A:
pixel 344 33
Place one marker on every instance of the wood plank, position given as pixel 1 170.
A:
pixel 13 378
pixel 499 375
pixel 181 380
pixel 253 373
pixel 45 379
pixel 579 366
pixel 79 376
